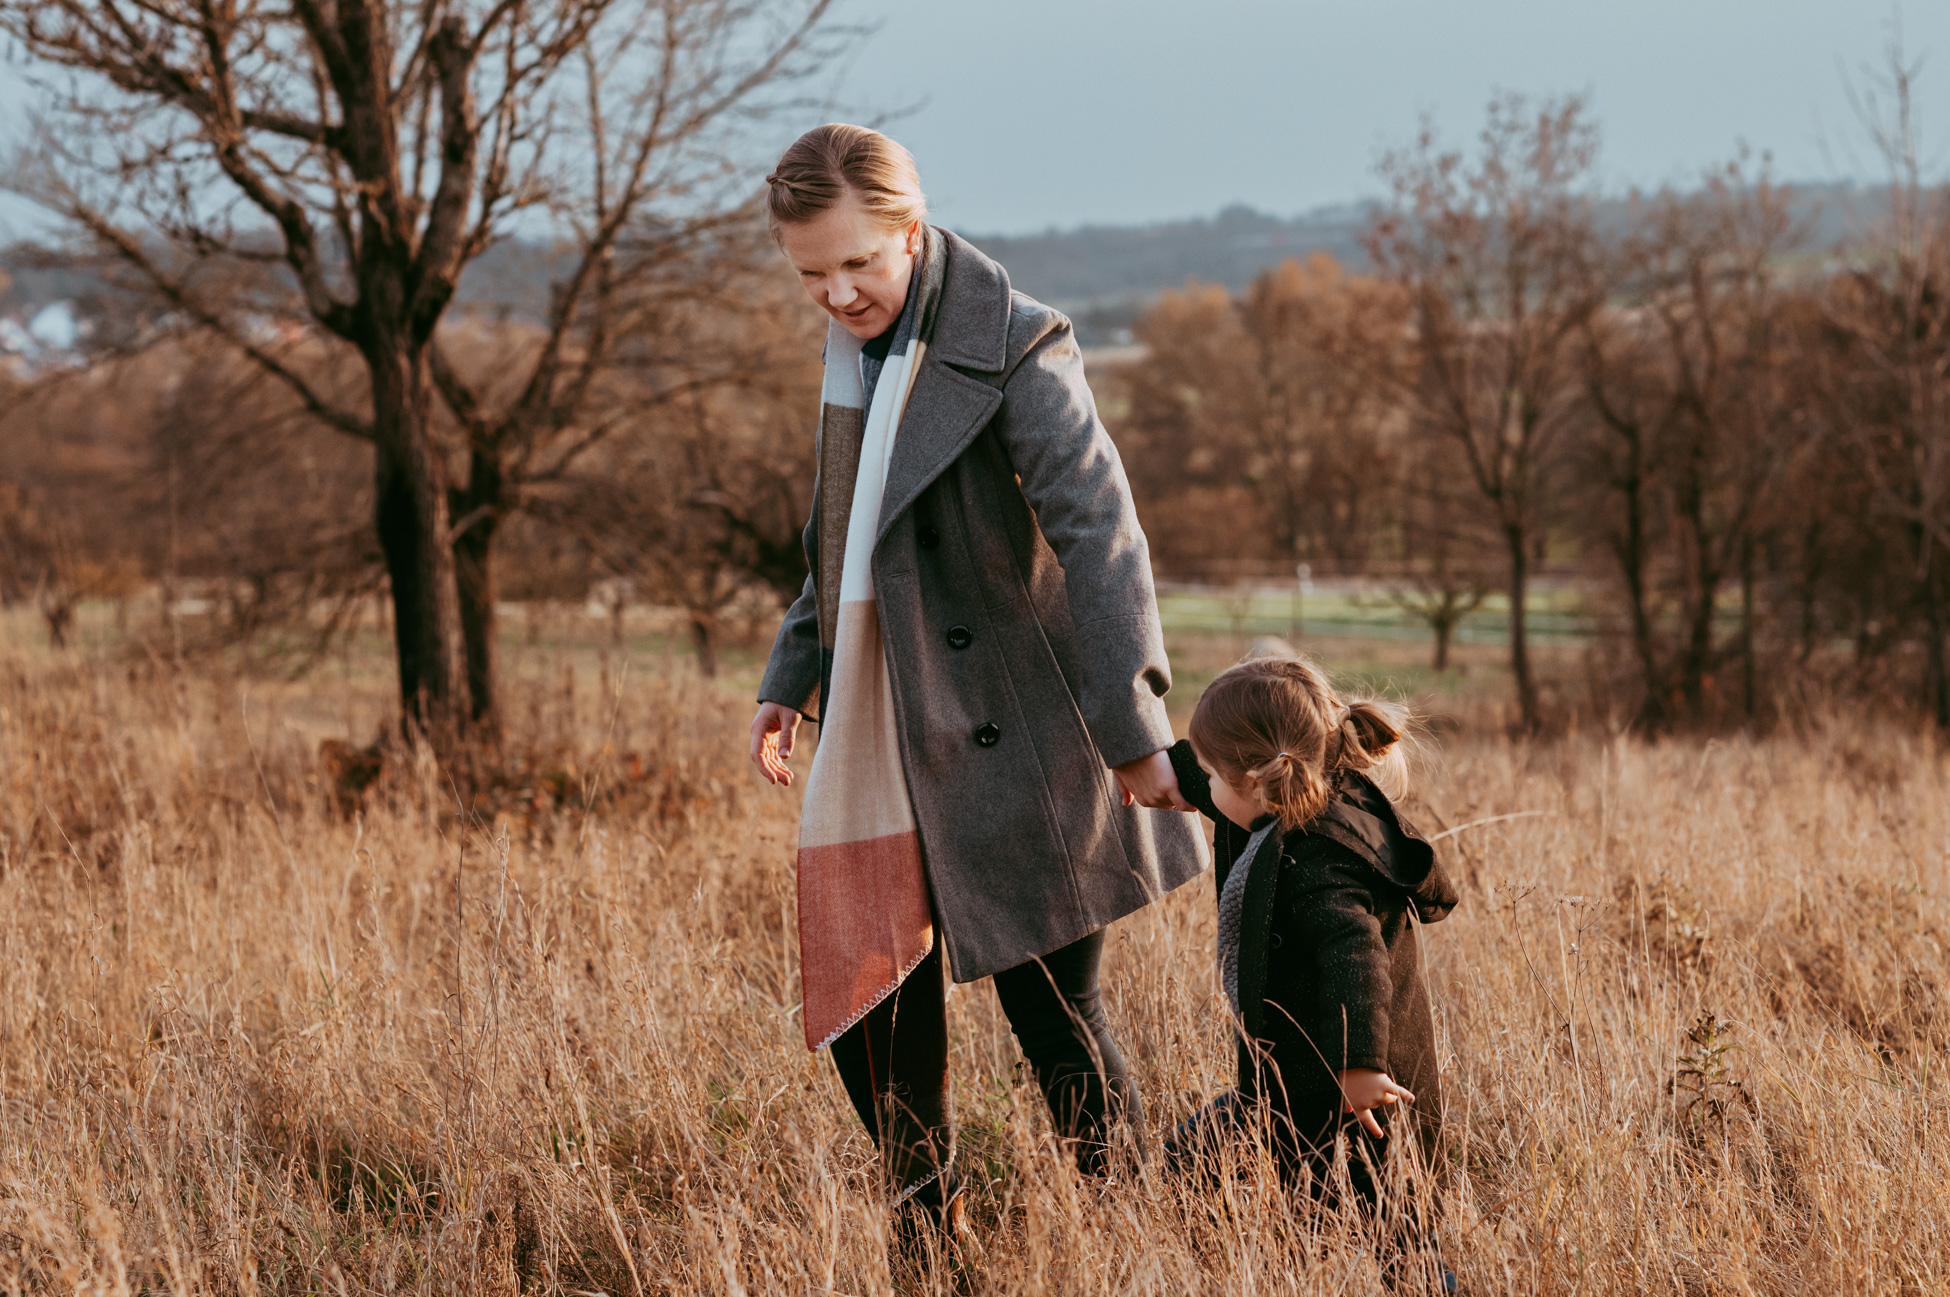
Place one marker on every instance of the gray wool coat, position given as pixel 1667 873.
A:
pixel 1022 636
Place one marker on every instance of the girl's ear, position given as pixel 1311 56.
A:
pixel 1254 791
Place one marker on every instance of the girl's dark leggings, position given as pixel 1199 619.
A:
pixel 894 1063
pixel 1303 1139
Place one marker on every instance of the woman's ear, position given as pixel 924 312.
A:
pixel 914 238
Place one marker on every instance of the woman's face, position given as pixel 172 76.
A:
pixel 1240 808
pixel 855 267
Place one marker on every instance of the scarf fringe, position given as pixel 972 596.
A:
pixel 878 996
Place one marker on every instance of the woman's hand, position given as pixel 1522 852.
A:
pixel 772 733
pixel 1364 1090
pixel 1150 781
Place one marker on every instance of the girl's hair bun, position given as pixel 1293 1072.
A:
pixel 1275 727
pixel 1372 728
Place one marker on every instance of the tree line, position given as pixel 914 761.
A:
pixel 1736 444
pixel 1734 440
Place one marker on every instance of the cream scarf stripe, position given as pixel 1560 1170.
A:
pixel 864 918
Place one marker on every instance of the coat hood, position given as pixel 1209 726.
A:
pixel 1362 819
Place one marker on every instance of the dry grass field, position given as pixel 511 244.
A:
pixel 1694 1010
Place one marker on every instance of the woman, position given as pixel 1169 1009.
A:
pixel 979 643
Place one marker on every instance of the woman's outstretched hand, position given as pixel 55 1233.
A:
pixel 1364 1090
pixel 1150 781
pixel 773 730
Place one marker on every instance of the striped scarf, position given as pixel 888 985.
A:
pixel 864 918
pixel 1232 914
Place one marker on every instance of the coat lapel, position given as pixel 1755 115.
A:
pixel 946 412
pixel 947 409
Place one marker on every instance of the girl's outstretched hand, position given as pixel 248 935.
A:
pixel 1364 1090
pixel 773 730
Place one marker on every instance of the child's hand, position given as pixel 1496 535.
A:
pixel 1364 1090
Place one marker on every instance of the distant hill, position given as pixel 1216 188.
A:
pixel 1102 275
pixel 1107 266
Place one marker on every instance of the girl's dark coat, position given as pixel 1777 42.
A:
pixel 1330 970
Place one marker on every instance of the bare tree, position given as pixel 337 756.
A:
pixel 701 502
pixel 1493 253
pixel 39 561
pixel 1315 414
pixel 1886 390
pixel 1690 383
pixel 1176 419
pixel 372 151
pixel 1275 391
pixel 1448 565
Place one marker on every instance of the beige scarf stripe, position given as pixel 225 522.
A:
pixel 864 917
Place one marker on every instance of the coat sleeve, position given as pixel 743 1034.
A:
pixel 1074 480
pixel 1334 909
pixel 792 675
pixel 1193 783
pixel 1228 839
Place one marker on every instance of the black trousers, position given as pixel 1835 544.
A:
pixel 894 1064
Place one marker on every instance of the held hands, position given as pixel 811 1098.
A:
pixel 773 730
pixel 1364 1090
pixel 1149 781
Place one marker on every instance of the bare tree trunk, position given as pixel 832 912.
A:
pixel 1810 576
pixel 477 517
pixel 1444 627
pixel 1939 683
pixel 704 639
pixel 412 521
pixel 1519 545
pixel 1652 713
pixel 58 613
pixel 1693 663
pixel 1749 682
pixel 1697 658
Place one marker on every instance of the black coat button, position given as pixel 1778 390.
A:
pixel 988 734
pixel 960 637
pixel 928 537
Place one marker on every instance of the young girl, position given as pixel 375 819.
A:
pixel 1319 879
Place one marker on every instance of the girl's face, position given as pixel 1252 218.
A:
pixel 1241 808
pixel 852 265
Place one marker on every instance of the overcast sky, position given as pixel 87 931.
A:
pixel 1036 113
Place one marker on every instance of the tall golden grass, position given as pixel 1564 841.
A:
pixel 1692 1012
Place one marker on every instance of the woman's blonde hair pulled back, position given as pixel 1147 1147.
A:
pixel 1275 727
pixel 828 162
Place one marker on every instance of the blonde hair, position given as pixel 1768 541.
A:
pixel 828 162
pixel 1274 728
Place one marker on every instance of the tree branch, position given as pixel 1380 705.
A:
pixel 436 269
pixel 178 295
